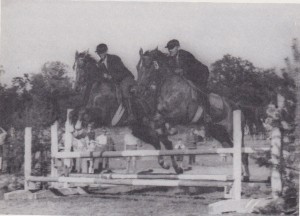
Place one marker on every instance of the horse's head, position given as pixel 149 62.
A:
pixel 158 56
pixel 83 65
pixel 153 56
pixel 147 59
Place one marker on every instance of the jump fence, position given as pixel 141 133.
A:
pixel 152 179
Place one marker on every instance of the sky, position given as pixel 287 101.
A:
pixel 34 32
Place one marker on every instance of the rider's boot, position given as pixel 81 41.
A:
pixel 128 105
pixel 207 110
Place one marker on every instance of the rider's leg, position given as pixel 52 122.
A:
pixel 204 100
pixel 125 86
pixel 207 110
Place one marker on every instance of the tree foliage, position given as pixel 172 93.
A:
pixel 249 86
pixel 37 100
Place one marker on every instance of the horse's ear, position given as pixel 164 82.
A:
pixel 156 48
pixel 88 51
pixel 76 54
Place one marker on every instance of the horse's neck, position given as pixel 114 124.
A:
pixel 144 74
pixel 92 72
pixel 92 77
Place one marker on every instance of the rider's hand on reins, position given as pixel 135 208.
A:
pixel 107 76
pixel 156 66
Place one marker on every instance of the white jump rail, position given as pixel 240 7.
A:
pixel 175 180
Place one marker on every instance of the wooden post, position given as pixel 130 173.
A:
pixel 54 147
pixel 27 159
pixel 54 150
pixel 68 138
pixel 276 181
pixel 68 141
pixel 237 155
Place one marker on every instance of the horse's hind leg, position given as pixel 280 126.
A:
pixel 149 135
pixel 219 133
pixel 245 167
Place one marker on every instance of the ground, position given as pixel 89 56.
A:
pixel 137 201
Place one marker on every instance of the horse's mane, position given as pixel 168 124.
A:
pixel 90 59
pixel 158 56
pixel 90 67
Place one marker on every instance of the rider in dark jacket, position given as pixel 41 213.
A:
pixel 114 69
pixel 184 63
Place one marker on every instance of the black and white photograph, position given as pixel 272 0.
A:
pixel 149 108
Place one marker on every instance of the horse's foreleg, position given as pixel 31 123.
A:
pixel 245 167
pixel 149 135
pixel 169 146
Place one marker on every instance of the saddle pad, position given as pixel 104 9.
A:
pixel 216 101
pixel 194 89
pixel 118 115
pixel 197 115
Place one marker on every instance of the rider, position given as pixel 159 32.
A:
pixel 114 70
pixel 185 64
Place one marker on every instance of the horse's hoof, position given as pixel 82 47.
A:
pixel 245 179
pixel 188 169
pixel 166 166
pixel 107 171
pixel 179 170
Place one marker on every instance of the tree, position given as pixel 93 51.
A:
pixel 37 100
pixel 51 92
pixel 250 87
pixel 13 102
pixel 292 70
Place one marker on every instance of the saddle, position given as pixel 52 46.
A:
pixel 216 103
pixel 121 109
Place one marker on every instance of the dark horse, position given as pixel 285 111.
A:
pixel 101 106
pixel 160 97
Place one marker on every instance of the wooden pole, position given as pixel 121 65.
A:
pixel 133 182
pixel 276 181
pixel 27 156
pixel 149 153
pixel 237 156
pixel 155 176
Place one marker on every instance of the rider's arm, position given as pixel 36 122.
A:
pixel 121 71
